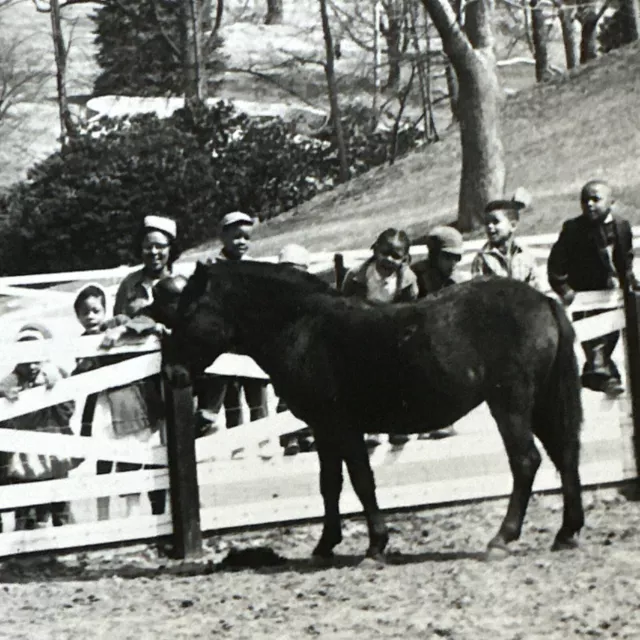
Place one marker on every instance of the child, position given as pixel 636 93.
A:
pixel 26 467
pixel 382 279
pixel 446 247
pixel 120 413
pixel 593 252
pixel 212 392
pixel 437 272
pixel 502 255
pixel 296 257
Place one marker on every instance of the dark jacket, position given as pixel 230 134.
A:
pixel 430 279
pixel 579 259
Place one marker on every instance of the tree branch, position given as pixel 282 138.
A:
pixel 454 41
pixel 165 36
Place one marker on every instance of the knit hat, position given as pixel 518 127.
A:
pixel 446 240
pixel 160 223
pixel 236 217
pixel 294 254
pixel 34 331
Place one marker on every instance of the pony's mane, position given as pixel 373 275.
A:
pixel 304 281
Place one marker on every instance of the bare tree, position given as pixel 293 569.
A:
pixel 332 88
pixel 471 52
pixel 275 12
pixel 589 16
pixel 195 87
pixel 19 81
pixel 540 32
pixel 567 15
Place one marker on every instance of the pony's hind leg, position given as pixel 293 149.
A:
pixel 363 482
pixel 564 451
pixel 330 488
pixel 524 460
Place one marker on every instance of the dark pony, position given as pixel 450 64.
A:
pixel 346 367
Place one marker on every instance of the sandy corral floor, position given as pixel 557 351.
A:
pixel 435 584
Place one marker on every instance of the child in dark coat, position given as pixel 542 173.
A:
pixel 594 252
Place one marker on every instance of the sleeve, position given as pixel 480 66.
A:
pixel 64 410
pixel 558 265
pixel 630 277
pixel 120 304
pixel 349 284
pixel 477 265
pixel 8 382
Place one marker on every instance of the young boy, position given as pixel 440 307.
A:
pixel 383 279
pixel 235 234
pixel 594 252
pixel 296 257
pixel 502 255
pixel 437 271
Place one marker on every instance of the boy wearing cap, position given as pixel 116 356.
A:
pixel 438 270
pixel 502 255
pixel 212 392
pixel 594 251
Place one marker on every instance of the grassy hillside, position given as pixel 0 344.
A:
pixel 556 137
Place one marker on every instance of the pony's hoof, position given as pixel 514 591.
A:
pixel 321 561
pixel 373 561
pixel 496 552
pixel 565 544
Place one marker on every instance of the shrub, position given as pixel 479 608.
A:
pixel 80 208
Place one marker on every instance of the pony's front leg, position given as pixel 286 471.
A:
pixel 330 488
pixel 363 482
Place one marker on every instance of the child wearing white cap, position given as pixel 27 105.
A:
pixel 214 391
pixel 27 467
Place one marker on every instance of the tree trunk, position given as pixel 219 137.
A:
pixel 195 75
pixel 589 40
pixel 631 12
pixel 332 88
pixel 454 90
pixel 67 126
pixel 540 48
pixel 571 47
pixel 275 12
pixel 479 100
pixel 483 167
pixel 394 10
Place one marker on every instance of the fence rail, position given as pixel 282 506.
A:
pixel 212 491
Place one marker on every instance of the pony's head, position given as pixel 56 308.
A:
pixel 200 332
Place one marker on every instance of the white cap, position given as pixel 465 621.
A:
pixel 295 254
pixel 236 217
pixel 166 225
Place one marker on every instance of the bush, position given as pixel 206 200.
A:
pixel 80 208
pixel 614 31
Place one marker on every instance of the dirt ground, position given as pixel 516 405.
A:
pixel 435 583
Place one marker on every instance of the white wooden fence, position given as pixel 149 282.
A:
pixel 254 487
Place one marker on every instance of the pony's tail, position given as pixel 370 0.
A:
pixel 558 411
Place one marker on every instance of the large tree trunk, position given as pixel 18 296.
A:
pixel 631 12
pixel 540 41
pixel 479 101
pixel 395 12
pixel 275 12
pixel 589 41
pixel 567 17
pixel 332 88
pixel 195 74
pixel 67 126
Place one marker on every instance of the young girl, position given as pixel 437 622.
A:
pixel 120 413
pixel 26 467
pixel 382 279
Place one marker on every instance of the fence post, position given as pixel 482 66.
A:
pixel 183 471
pixel 632 314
